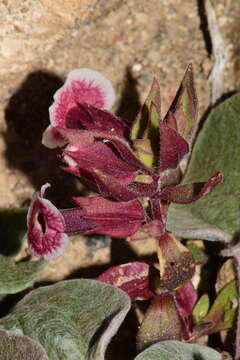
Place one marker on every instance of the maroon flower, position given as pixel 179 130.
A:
pixel 48 227
pixel 141 161
pixel 128 164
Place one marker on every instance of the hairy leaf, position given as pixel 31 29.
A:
pixel 176 350
pixel 20 347
pixel 73 320
pixel 216 217
pixel 18 276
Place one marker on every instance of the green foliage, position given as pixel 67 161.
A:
pixel 224 309
pixel 217 148
pixel 19 276
pixel 199 255
pixel 201 308
pixel 176 350
pixel 73 320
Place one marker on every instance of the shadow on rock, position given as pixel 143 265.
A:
pixel 129 105
pixel 26 118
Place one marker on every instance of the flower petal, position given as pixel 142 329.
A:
pixel 172 147
pixel 101 157
pixel 152 229
pixel 82 86
pixel 51 138
pixel 187 194
pixel 134 278
pixel 186 299
pixel 46 228
pixel 111 187
pixel 118 219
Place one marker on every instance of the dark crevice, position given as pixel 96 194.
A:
pixel 204 26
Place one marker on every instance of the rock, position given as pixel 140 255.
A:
pixel 29 29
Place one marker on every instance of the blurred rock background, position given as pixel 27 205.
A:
pixel 129 42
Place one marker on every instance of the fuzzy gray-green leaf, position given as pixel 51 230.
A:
pixel 176 350
pixel 73 320
pixel 15 277
pixel 20 347
pixel 217 216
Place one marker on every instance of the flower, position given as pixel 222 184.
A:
pixel 143 160
pixel 82 86
pixel 46 228
pixel 128 164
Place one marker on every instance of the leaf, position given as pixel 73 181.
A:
pixel 199 255
pixel 216 217
pixel 143 151
pixel 201 308
pixel 161 321
pixel 135 278
pixel 20 347
pixel 15 277
pixel 145 129
pixel 73 320
pixel 223 312
pixel 176 350
pixel 226 274
pixel 13 226
pixel 177 264
pixel 182 114
pixel 144 122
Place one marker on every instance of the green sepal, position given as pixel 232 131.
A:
pixel 201 308
pixel 142 124
pixel 224 308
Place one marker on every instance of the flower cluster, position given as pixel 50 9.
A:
pixel 137 172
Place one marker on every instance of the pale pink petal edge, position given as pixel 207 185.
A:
pixel 50 138
pixel 54 254
pixel 89 75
